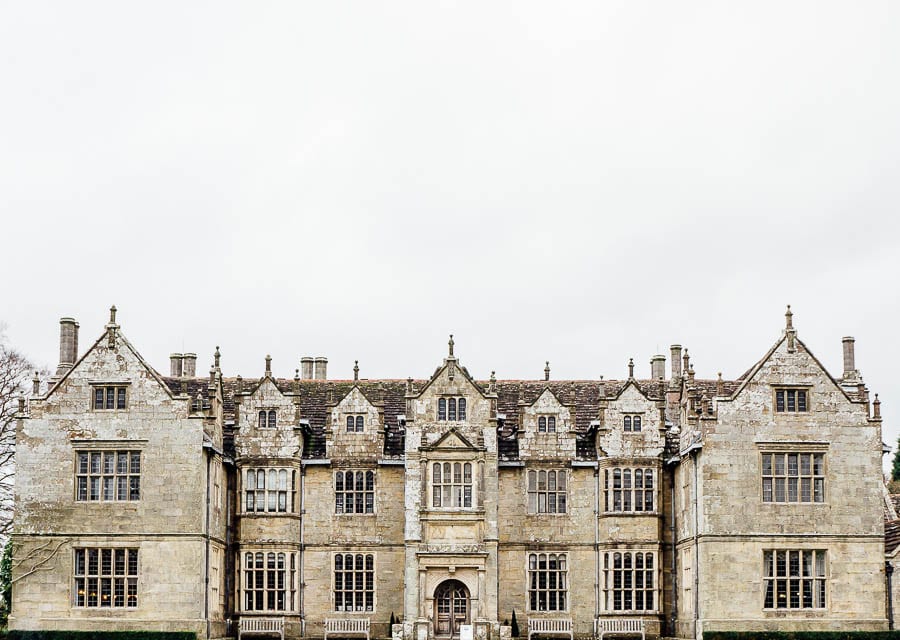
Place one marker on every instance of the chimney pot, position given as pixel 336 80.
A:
pixel 321 371
pixel 176 361
pixel 849 343
pixel 306 368
pixel 658 367
pixel 189 367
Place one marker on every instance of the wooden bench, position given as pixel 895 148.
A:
pixel 550 626
pixel 620 626
pixel 343 627
pixel 259 626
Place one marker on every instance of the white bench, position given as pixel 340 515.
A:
pixel 343 627
pixel 268 626
pixel 550 626
pixel 620 626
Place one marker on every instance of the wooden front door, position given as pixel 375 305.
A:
pixel 451 608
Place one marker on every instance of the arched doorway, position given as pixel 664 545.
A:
pixel 451 608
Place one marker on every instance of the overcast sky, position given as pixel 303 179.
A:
pixel 579 182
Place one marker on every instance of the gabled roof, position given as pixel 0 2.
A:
pixel 120 339
pixel 751 373
pixel 461 369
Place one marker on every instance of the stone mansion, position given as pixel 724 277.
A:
pixel 186 502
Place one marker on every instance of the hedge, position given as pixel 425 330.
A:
pixel 801 635
pixel 101 635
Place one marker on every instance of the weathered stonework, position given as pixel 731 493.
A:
pixel 259 498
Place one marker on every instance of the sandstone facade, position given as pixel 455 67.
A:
pixel 181 502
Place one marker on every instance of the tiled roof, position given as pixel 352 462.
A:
pixel 317 397
pixel 891 535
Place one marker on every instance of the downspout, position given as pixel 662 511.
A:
pixel 209 455
pixel 674 529
pixel 596 544
pixel 302 585
pixel 888 573
pixel 696 548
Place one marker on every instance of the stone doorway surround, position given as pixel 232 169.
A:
pixel 451 608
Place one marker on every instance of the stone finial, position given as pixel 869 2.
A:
pixel 720 385
pixel 704 403
pixel 21 404
pixel 356 369
pixel 217 357
pixel 630 368
pixel 690 374
pixel 240 384
pixel 268 366
pixel 685 361
pixel 295 387
pixel 601 388
pixel 212 377
pixel 547 370
pixel 112 327
pixel 36 384
pixel 450 345
pixel 788 319
pixel 789 330
pixel 409 386
pixel 876 408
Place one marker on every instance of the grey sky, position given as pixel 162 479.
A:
pixel 573 182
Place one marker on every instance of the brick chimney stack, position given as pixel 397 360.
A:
pixel 321 368
pixel 68 345
pixel 676 360
pixel 189 366
pixel 176 361
pixel 849 343
pixel 658 367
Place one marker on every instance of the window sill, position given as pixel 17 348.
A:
pixel 628 514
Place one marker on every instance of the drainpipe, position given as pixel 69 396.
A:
pixel 674 530
pixel 597 544
pixel 888 573
pixel 302 585
pixel 696 547
pixel 209 455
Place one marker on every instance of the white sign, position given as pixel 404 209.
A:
pixel 465 632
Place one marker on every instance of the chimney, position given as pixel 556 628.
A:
pixel 849 356
pixel 176 361
pixel 658 367
pixel 68 344
pixel 189 367
pixel 321 368
pixel 676 360
pixel 306 368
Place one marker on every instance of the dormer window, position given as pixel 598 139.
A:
pixel 631 422
pixel 547 424
pixel 109 397
pixel 451 409
pixel 268 419
pixel 355 424
pixel 791 401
